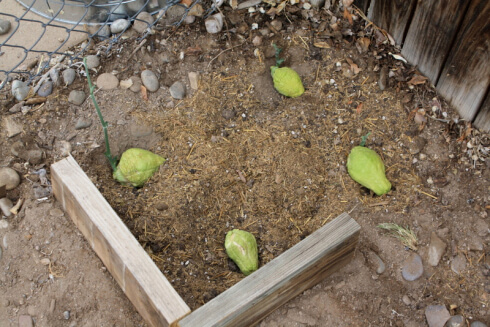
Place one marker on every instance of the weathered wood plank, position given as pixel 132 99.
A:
pixel 431 33
pixel 482 120
pixel 392 16
pixel 363 5
pixel 139 277
pixel 294 271
pixel 466 75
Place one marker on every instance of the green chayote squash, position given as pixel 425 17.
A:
pixel 287 81
pixel 137 166
pixel 241 247
pixel 366 167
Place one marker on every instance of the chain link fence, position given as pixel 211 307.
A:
pixel 26 52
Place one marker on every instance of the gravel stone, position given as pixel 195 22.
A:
pixel 436 249
pixel 228 114
pixel 277 24
pixel 107 81
pixel 66 314
pixel 418 143
pixel 194 80
pixel 69 76
pixel 104 32
pixel 9 178
pixel 20 90
pixel 436 315
pixel 142 21
pixel 177 90
pixel 119 25
pixel 377 262
pixel 5 206
pixel 76 97
pixel 456 321
pixel 136 87
pixel 150 80
pixel 458 264
pixel 55 212
pixel 12 127
pixel 45 89
pixel 412 267
pixel 93 61
pixel 4 26
pixel 83 123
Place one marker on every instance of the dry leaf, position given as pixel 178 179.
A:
pixel 363 43
pixel 417 79
pixel 321 44
pixel 392 40
pixel 193 51
pixel 398 57
pixel 233 4
pixel 359 108
pixel 144 93
pixel 348 16
pixel 420 117
pixel 353 66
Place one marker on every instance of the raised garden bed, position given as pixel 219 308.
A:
pixel 247 302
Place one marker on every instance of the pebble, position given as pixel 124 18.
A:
pixel 76 97
pixel 214 24
pixel 4 26
pixel 228 113
pixel 136 87
pixel 475 243
pixel 177 90
pixel 9 178
pixel 119 25
pixel 5 206
pixel 40 192
pixel 436 249
pixel 69 76
pixel 52 305
pixel 83 123
pixel 194 80
pixel 458 263
pixel 107 81
pixel 456 321
pixel 482 228
pixel 248 4
pixel 412 267
pixel 406 300
pixel 257 40
pixel 383 78
pixel 436 315
pixel 25 321
pixel 4 224
pixel 20 90
pixel 66 314
pixel 143 20
pixel 149 80
pixel 174 14
pixel 45 89
pixel 417 144
pixel 17 107
pixel 276 24
pixel 93 61
pixel 477 324
pixel 12 127
pixel 189 19
pixel 55 212
pixel 54 74
pixel 126 83
pixel 161 206
pixel 45 261
pixel 378 263
pixel 104 32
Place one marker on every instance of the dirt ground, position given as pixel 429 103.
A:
pixel 239 155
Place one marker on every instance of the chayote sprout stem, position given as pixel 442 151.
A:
pixel 108 154
pixel 279 60
pixel 364 139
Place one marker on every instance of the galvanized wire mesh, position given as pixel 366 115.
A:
pixel 91 18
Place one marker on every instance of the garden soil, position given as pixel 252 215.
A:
pixel 240 155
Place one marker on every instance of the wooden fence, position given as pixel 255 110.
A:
pixel 449 42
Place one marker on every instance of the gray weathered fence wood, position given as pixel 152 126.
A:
pixel 431 33
pixel 466 76
pixel 392 15
pixel 482 120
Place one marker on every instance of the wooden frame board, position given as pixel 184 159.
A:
pixel 246 303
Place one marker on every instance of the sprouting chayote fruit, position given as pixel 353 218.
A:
pixel 241 247
pixel 366 167
pixel 287 81
pixel 137 166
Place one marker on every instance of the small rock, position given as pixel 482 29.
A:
pixel 25 321
pixel 107 81
pixel 20 90
pixel 45 261
pixel 119 25
pixel 214 24
pixel 248 3
pixel 477 324
pixel 142 22
pixel 9 178
pixel 12 127
pixel 481 227
pixel 436 249
pixel 52 305
pixel 383 78
pixel 228 113
pixel 76 97
pixel 189 19
pixel 257 40
pixel 69 76
pixel 126 83
pixel 83 123
pixel 150 80
pixel 34 156
pixel 4 224
pixel 475 243
pixel 161 206
pixel 173 15
pixel 17 107
pixel 45 89
pixel 406 300
pixel 377 262
pixel 456 321
pixel 4 26
pixel 436 315
pixel 418 143
pixel 194 80
pixel 136 87
pixel 276 24
pixel 104 32
pixel 66 314
pixel 177 90
pixel 93 61
pixel 412 267
pixel 55 212
pixel 458 263
pixel 54 74
pixel 5 206
pixel 40 192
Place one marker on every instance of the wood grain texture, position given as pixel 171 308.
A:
pixel 482 120
pixel 431 33
pixel 297 269
pixel 392 16
pixel 139 277
pixel 466 75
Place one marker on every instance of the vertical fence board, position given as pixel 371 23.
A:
pixel 362 4
pixel 482 119
pixel 392 16
pixel 431 33
pixel 466 76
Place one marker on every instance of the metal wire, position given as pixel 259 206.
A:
pixel 98 14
